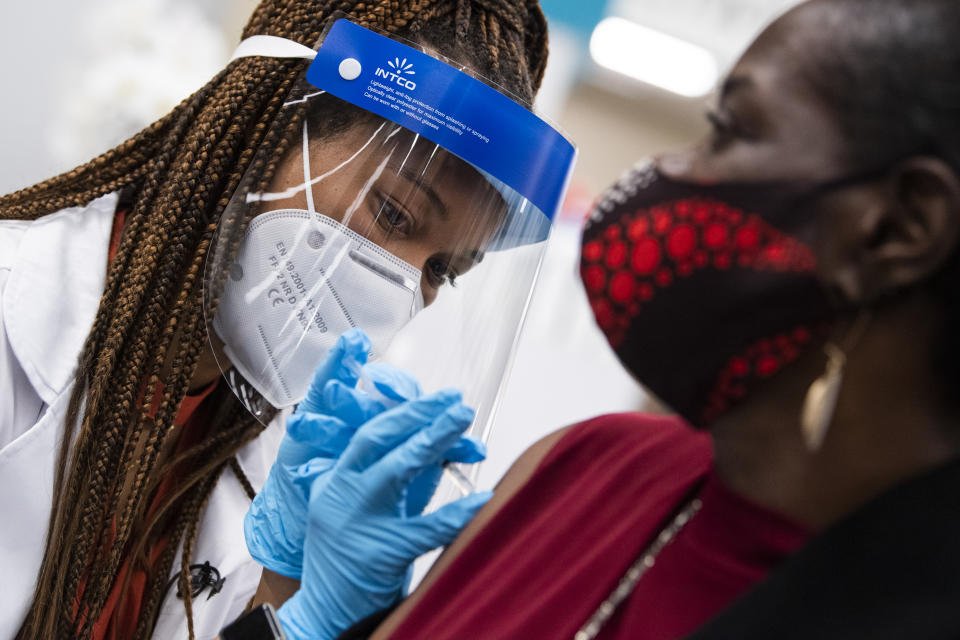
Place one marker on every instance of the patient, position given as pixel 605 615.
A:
pixel 790 287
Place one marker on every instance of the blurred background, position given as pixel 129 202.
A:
pixel 627 79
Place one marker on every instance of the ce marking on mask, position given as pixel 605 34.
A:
pixel 291 290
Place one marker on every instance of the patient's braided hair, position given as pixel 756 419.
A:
pixel 178 176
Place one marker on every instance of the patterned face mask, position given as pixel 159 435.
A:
pixel 704 291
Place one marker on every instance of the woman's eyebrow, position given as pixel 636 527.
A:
pixel 420 183
pixel 735 83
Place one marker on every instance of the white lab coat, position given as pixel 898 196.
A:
pixel 52 274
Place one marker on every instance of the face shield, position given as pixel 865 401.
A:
pixel 394 192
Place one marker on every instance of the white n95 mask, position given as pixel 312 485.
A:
pixel 299 281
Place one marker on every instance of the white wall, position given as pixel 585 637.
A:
pixel 58 57
pixel 35 38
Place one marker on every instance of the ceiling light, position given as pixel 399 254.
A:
pixel 654 57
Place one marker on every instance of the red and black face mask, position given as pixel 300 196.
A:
pixel 705 291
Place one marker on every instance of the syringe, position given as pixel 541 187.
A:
pixel 459 479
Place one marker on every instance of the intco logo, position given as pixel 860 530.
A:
pixel 399 69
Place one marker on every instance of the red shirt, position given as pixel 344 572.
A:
pixel 556 550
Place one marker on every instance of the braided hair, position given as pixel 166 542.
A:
pixel 149 333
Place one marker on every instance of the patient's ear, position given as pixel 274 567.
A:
pixel 905 231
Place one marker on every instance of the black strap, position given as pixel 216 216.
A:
pixel 365 628
pixel 202 576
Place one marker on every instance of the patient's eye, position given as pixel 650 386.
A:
pixel 723 127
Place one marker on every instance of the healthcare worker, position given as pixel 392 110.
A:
pixel 295 196
pixel 790 288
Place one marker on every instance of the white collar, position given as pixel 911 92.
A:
pixel 53 291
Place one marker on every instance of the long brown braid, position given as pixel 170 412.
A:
pixel 178 176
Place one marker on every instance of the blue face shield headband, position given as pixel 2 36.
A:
pixel 527 160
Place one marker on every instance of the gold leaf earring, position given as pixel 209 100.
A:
pixel 820 405
pixel 821 401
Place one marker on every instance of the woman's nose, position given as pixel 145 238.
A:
pixel 680 165
pixel 420 257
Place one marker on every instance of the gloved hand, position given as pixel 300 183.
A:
pixel 275 524
pixel 360 540
pixel 390 387
pixel 318 432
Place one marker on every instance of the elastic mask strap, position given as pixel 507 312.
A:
pixel 277 47
pixel 292 191
pixel 307 177
pixel 853 178
pixel 272 47
pixel 826 187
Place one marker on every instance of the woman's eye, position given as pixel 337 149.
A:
pixel 440 273
pixel 727 126
pixel 394 219
pixel 722 126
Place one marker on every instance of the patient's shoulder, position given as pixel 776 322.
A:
pixel 524 466
pixel 626 434
pixel 637 443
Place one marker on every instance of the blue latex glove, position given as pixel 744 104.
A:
pixel 360 541
pixel 393 387
pixel 275 524
pixel 318 432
